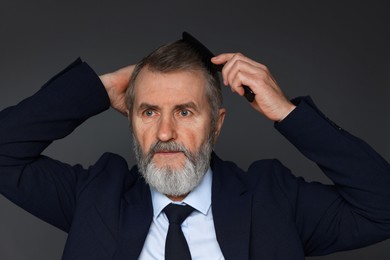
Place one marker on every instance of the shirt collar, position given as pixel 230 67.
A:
pixel 199 198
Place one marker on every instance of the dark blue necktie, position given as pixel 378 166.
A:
pixel 176 247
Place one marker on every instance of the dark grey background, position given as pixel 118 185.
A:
pixel 338 52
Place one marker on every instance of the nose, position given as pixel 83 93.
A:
pixel 166 129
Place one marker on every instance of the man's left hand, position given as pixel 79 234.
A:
pixel 239 70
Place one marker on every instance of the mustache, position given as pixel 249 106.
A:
pixel 170 146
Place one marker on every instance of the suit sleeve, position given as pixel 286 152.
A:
pixel 355 211
pixel 43 186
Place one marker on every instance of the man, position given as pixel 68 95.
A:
pixel 175 109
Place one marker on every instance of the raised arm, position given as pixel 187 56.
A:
pixel 355 211
pixel 45 187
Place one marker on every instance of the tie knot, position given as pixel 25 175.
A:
pixel 177 213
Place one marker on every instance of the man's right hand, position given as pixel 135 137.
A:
pixel 116 84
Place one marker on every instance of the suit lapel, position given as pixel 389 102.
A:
pixel 231 205
pixel 136 217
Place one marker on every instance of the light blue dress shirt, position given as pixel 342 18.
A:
pixel 198 228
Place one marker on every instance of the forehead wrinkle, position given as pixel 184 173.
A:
pixel 148 89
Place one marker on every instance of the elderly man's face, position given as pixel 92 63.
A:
pixel 172 124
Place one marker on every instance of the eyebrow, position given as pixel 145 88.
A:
pixel 191 105
pixel 145 106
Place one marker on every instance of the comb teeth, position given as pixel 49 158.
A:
pixel 204 53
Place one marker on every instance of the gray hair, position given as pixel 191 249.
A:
pixel 178 56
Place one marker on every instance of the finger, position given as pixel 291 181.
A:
pixel 222 58
pixel 241 79
pixel 238 57
pixel 240 66
pixel 239 62
pixel 229 59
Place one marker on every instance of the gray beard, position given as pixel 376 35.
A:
pixel 174 182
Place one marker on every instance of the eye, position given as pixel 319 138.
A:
pixel 184 112
pixel 149 113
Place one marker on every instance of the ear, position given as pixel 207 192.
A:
pixel 219 123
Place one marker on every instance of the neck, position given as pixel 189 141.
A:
pixel 177 198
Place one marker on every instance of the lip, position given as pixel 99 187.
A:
pixel 167 153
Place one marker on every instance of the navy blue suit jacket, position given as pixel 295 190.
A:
pixel 262 213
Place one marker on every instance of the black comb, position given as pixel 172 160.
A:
pixel 206 56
